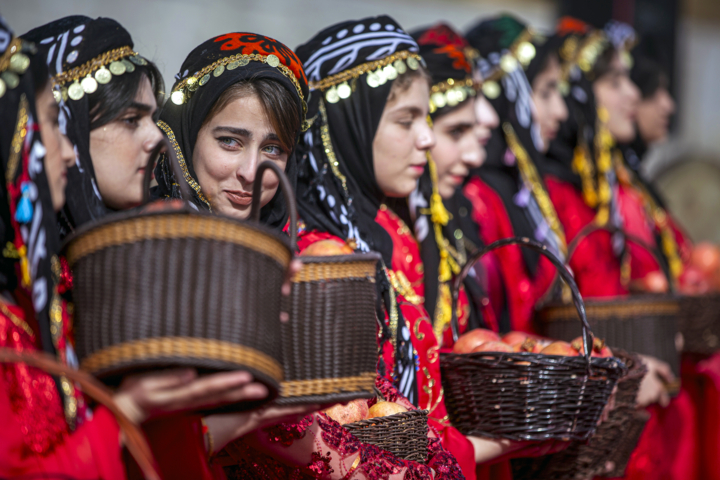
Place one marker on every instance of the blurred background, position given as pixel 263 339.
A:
pixel 683 35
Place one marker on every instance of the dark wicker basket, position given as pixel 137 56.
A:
pixel 645 324
pixel 699 323
pixel 527 396
pixel 179 289
pixel 402 434
pixel 329 345
pixel 608 451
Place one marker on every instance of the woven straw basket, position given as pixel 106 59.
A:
pixel 527 396
pixel 699 323
pixel 329 345
pixel 607 453
pixel 645 324
pixel 180 289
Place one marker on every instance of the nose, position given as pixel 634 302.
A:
pixel 472 156
pixel 561 111
pixel 426 137
pixel 247 167
pixel 153 136
pixel 486 114
pixel 67 151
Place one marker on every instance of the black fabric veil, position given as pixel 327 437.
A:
pixel 209 70
pixel 337 191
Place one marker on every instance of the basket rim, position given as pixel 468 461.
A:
pixel 380 421
pixel 133 215
pixel 616 307
pixel 361 257
pixel 598 362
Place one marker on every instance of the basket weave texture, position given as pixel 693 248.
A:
pixel 329 345
pixel 608 451
pixel 699 323
pixel 178 288
pixel 402 434
pixel 646 324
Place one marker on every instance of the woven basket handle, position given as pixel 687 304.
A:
pixel 592 228
pixel 287 190
pixel 163 147
pixel 134 439
pixel 542 249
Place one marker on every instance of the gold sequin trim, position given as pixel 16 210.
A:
pixel 18 140
pixel 181 160
pixel 359 70
pixel 329 151
pixel 88 67
pixel 14 47
pixel 19 322
pixel 402 285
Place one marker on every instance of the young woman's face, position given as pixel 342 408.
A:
pixel 550 110
pixel 653 115
pixel 457 148
pixel 402 139
pixel 59 155
pixel 619 96
pixel 229 149
pixel 120 150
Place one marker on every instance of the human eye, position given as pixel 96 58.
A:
pixel 228 142
pixel 274 150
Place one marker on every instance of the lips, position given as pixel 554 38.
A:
pixel 238 198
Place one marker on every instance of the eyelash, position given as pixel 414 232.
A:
pixel 131 121
pixel 233 143
pixel 277 147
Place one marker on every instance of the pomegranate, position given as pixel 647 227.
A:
pixel 467 342
pixel 693 281
pixel 530 345
pixel 326 248
pixel 653 282
pixel 560 348
pixel 599 349
pixel 514 338
pixel 383 409
pixel 352 412
pixel 493 346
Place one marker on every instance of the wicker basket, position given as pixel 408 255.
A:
pixel 645 323
pixel 527 396
pixel 402 434
pixel 180 289
pixel 608 451
pixel 329 345
pixel 699 323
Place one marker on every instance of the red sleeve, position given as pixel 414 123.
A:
pixel 91 452
pixel 594 265
pixel 521 290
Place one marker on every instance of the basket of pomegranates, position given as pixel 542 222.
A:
pixel 329 345
pixel 558 393
pixel 646 323
pixel 388 425
pixel 608 451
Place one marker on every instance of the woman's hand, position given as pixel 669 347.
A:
pixel 148 395
pixel 652 388
pixel 487 449
pixel 224 428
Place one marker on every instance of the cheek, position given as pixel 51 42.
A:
pixel 445 154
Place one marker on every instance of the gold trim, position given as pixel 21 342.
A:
pixel 525 36
pixel 614 310
pixel 14 47
pixel 161 227
pixel 455 83
pixel 199 348
pixel 19 322
pixel 318 272
pixel 242 59
pixel 18 140
pixel 90 66
pixel 328 148
pixel 362 69
pixel 320 386
pixel 181 160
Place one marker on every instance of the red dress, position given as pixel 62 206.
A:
pixel 522 290
pixel 594 265
pixel 35 436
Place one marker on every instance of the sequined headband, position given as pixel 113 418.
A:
pixel 185 89
pixel 14 63
pixel 520 53
pixel 111 63
pixel 378 73
pixel 452 92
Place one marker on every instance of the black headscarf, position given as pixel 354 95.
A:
pixel 337 190
pixel 449 61
pixel 30 240
pixel 83 52
pixel 508 51
pixel 209 70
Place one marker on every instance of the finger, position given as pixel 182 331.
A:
pixel 161 380
pixel 203 388
pixel 664 399
pixel 665 372
pixel 253 391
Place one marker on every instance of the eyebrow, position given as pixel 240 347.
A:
pixel 411 110
pixel 455 126
pixel 234 131
pixel 143 107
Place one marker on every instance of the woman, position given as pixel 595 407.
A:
pixel 110 118
pixel 509 197
pixel 365 151
pixel 46 425
pixel 442 225
pixel 601 101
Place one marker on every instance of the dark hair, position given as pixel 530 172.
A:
pixel 603 64
pixel 403 81
pixel 40 73
pixel 279 104
pixel 649 76
pixel 111 99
